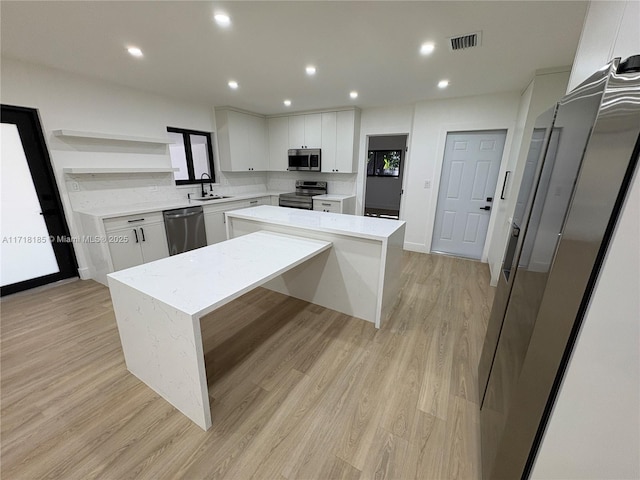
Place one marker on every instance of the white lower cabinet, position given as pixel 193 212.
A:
pixel 327 206
pixel 135 240
pixel 214 219
pixel 335 203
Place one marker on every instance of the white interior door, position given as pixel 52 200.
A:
pixel 467 185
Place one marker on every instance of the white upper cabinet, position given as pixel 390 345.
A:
pixel 305 131
pixel 340 141
pixel 335 133
pixel 242 141
pixel 347 132
pixel 278 143
pixel 328 152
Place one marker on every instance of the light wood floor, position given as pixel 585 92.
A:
pixel 298 391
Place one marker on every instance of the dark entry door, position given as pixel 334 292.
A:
pixel 34 249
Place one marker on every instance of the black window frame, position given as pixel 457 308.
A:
pixel 189 156
pixel 375 152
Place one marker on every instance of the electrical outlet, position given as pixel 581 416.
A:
pixel 75 186
pixel 427 184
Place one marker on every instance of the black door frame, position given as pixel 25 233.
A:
pixel 32 137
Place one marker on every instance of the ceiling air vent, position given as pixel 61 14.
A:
pixel 462 42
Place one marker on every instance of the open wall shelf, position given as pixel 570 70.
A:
pixel 109 137
pixel 127 170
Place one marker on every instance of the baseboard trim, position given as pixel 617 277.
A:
pixel 84 273
pixel 415 247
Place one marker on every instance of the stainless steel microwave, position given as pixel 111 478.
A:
pixel 307 159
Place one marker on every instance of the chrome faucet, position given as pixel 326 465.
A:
pixel 204 194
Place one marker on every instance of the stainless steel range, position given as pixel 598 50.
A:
pixel 303 196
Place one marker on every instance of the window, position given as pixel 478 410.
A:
pixel 192 154
pixel 383 163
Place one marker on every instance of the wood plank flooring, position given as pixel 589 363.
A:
pixel 298 391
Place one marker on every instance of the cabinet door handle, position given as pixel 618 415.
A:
pixel 142 232
pixel 253 202
pixel 326 204
pixel 136 220
pixel 135 232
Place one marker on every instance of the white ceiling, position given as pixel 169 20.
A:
pixel 371 47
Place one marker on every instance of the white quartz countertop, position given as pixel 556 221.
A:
pixel 137 208
pixel 199 281
pixel 332 196
pixel 352 225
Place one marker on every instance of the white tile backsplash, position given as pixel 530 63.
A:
pixel 338 183
pixel 90 191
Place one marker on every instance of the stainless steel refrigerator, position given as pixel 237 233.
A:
pixel 582 157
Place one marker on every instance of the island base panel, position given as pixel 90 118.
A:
pixel 345 279
pixel 163 347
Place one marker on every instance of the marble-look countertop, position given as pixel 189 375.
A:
pixel 352 225
pixel 135 209
pixel 201 280
pixel 332 196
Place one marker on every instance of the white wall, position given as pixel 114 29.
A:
pixel 74 102
pixel 611 29
pixel 545 89
pixel 431 122
pixel 594 430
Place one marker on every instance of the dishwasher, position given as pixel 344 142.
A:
pixel 185 229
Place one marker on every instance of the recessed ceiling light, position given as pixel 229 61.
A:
pixel 222 19
pixel 443 83
pixel 134 51
pixel 353 94
pixel 287 103
pixel 427 48
pixel 233 84
pixel 311 70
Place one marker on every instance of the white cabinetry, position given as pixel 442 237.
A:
pixel 328 152
pixel 242 141
pixel 305 131
pixel 335 203
pixel 327 206
pixel 339 141
pixel 347 130
pixel 278 128
pixel 136 239
pixel 214 219
pixel 335 133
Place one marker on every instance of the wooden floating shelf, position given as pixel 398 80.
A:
pixel 127 170
pixel 110 137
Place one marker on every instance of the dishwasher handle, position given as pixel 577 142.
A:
pixel 181 215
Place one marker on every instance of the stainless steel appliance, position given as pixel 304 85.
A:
pixel 185 229
pixel 303 196
pixel 307 159
pixel 583 155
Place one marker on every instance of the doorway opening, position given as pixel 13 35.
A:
pixel 385 168
pixel 35 245
pixel 467 185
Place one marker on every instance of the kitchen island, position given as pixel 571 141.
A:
pixel 347 263
pixel 360 277
pixel 158 307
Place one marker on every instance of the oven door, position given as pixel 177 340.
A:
pixel 293 202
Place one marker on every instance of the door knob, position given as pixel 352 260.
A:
pixel 487 208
